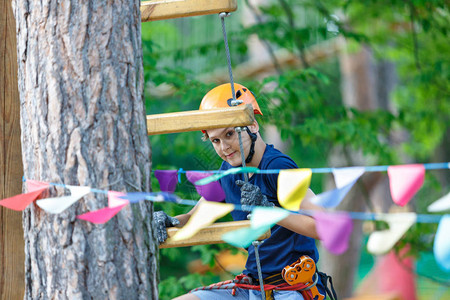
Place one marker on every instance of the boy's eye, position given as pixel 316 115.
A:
pixel 215 140
pixel 230 133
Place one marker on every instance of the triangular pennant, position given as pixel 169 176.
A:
pixel 405 181
pixel 33 185
pixel 381 242
pixel 441 204
pixel 20 202
pixel 346 176
pixel 441 247
pixel 167 180
pixel 57 205
pixel 292 187
pixel 245 236
pixel 334 230
pixel 101 216
pixel 114 199
pixel 205 214
pixel 267 216
pixel 211 191
pixel 332 198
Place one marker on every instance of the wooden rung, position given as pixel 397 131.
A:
pixel 208 235
pixel 196 120
pixel 154 10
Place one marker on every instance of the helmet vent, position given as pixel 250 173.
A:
pixel 238 94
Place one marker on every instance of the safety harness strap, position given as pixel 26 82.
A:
pixel 324 279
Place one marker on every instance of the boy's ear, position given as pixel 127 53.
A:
pixel 254 128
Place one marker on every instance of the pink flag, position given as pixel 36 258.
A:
pixel 334 230
pixel 20 202
pixel 101 216
pixel 167 180
pixel 114 199
pixel 405 181
pixel 211 191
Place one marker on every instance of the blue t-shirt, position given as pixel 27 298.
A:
pixel 283 247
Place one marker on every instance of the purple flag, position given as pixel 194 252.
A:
pixel 167 180
pixel 334 230
pixel 211 191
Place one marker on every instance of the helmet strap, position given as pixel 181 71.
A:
pixel 253 137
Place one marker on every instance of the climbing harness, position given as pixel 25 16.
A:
pixel 300 276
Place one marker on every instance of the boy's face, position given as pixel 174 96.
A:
pixel 226 144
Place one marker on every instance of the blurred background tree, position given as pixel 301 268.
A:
pixel 340 83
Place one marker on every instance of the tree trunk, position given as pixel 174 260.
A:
pixel 365 86
pixel 11 233
pixel 83 123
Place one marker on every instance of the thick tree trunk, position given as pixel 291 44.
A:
pixel 365 86
pixel 83 123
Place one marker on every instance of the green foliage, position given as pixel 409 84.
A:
pixel 305 104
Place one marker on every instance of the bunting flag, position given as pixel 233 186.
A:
pixel 101 216
pixel 441 204
pixel 116 202
pixel 167 180
pixel 405 181
pixel 441 247
pixel 344 178
pixel 381 242
pixel 263 218
pixel 114 199
pixel 245 236
pixel 267 216
pixel 205 214
pixel 59 204
pixel 211 191
pixel 334 230
pixel 20 202
pixel 292 187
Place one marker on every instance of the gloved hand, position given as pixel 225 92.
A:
pixel 252 195
pixel 162 221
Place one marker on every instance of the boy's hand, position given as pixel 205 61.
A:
pixel 162 221
pixel 252 195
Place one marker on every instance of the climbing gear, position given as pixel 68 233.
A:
pixel 302 271
pixel 222 97
pixel 324 279
pixel 270 284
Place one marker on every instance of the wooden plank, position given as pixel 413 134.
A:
pixel 196 120
pixel 12 256
pixel 208 235
pixel 169 9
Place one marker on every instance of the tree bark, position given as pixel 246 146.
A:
pixel 83 123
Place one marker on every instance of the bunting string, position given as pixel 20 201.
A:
pixel 334 228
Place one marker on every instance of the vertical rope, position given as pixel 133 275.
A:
pixel 258 265
pixel 227 51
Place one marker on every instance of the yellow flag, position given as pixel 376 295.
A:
pixel 292 187
pixel 205 214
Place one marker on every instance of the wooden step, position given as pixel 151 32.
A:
pixel 196 120
pixel 154 10
pixel 209 235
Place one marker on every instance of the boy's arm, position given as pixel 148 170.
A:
pixel 301 224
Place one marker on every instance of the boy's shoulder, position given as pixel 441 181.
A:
pixel 275 159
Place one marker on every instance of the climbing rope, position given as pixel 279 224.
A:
pixel 235 102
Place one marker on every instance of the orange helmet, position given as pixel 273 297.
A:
pixel 221 96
